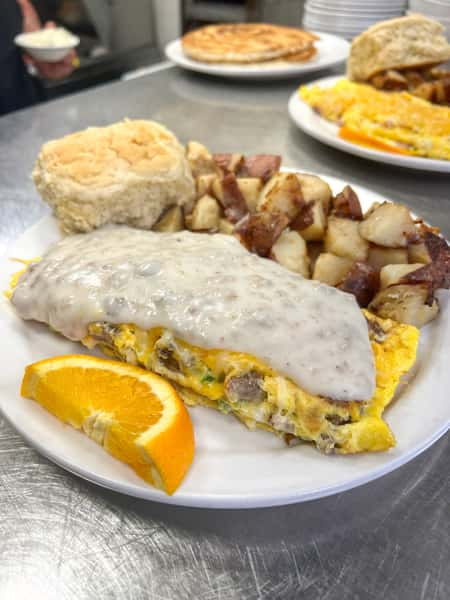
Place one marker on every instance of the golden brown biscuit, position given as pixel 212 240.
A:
pixel 128 172
pixel 411 41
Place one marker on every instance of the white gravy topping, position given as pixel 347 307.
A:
pixel 209 291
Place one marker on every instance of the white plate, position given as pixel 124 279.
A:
pixel 233 468
pixel 331 50
pixel 325 131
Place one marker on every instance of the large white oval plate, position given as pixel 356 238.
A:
pixel 233 468
pixel 325 131
pixel 331 50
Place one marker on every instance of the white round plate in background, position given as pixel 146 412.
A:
pixel 233 467
pixel 323 130
pixel 331 50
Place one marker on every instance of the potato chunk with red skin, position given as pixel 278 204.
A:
pixel 259 232
pixel 281 194
pixel 315 188
pixel 393 274
pixel 200 159
pixel 346 204
pixel 311 222
pixel 263 166
pixel 229 162
pixel 406 304
pixel 250 188
pixel 227 192
pixel 418 253
pixel 362 281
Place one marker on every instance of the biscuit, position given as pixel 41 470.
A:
pixel 128 172
pixel 405 42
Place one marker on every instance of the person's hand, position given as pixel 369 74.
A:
pixel 30 19
pixel 48 70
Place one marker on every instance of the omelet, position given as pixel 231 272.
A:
pixel 392 121
pixel 229 329
pixel 239 384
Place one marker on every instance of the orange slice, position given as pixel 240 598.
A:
pixel 134 414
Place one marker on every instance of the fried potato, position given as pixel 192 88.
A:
pixel 281 194
pixel 331 269
pixel 290 251
pixel 200 159
pixel 343 239
pixel 311 222
pixel 227 192
pixel 204 184
pixel 263 166
pixel 225 227
pixel 346 204
pixel 362 281
pixel 314 188
pixel 206 215
pixel 388 225
pixel 393 274
pixel 172 220
pixel 418 253
pixel 436 273
pixel 250 188
pixel 315 249
pixel 405 304
pixel 229 163
pixel 380 257
pixel 260 231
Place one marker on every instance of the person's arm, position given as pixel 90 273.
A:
pixel 48 70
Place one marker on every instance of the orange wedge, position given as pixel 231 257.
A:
pixel 134 414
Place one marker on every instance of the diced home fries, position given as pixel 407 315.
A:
pixel 390 261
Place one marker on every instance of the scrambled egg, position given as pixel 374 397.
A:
pixel 392 121
pixel 241 385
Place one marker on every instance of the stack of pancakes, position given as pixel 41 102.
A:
pixel 245 43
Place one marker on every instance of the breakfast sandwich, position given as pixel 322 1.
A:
pixel 248 43
pixel 230 329
pixel 402 54
pixel 128 172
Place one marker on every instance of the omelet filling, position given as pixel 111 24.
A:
pixel 395 121
pixel 241 385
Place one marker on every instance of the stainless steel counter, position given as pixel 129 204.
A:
pixel 63 538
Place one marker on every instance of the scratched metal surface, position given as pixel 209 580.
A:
pixel 62 538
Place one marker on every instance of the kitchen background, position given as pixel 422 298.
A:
pixel 120 36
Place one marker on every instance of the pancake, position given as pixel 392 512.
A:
pixel 245 42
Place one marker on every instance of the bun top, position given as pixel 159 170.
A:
pixel 101 156
pixel 245 42
pixel 412 41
